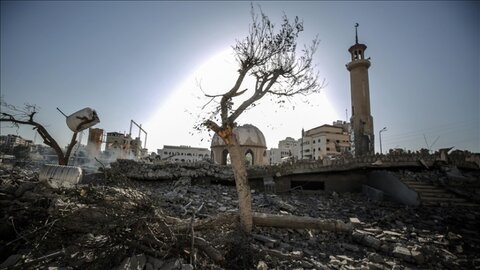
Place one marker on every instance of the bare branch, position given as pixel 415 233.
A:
pixel 26 116
pixel 269 56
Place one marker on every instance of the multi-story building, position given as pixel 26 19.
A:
pixel 136 147
pixel 288 149
pixel 118 145
pixel 326 140
pixel 10 141
pixel 183 153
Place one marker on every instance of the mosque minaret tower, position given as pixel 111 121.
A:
pixel 361 120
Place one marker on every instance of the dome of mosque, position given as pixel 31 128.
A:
pixel 248 135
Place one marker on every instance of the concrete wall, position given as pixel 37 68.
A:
pixel 338 182
pixel 392 187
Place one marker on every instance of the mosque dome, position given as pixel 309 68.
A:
pixel 248 135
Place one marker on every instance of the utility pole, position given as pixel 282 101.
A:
pixel 303 132
pixel 380 137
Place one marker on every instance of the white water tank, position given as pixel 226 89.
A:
pixel 59 176
pixel 87 116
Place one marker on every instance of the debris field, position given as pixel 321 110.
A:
pixel 112 222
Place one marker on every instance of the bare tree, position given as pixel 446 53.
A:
pixel 270 58
pixel 25 116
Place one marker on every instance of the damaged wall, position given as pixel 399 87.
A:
pixel 392 187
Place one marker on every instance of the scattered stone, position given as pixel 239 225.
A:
pixel 355 221
pixel 366 239
pixel 10 261
pixel 349 247
pixel 262 266
pixel 136 262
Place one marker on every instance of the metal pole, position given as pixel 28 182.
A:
pixel 62 112
pixel 302 143
pixel 380 137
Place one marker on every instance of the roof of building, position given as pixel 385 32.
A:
pixel 183 147
pixel 321 129
pixel 248 135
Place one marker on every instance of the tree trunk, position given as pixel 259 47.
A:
pixel 298 222
pixel 237 159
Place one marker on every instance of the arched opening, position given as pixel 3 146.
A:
pixel 225 157
pixel 249 157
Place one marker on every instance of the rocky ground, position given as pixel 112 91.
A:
pixel 116 223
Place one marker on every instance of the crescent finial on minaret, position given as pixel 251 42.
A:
pixel 356 35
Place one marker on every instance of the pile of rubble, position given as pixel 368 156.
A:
pixel 117 223
pixel 166 170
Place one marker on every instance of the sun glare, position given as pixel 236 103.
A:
pixel 173 122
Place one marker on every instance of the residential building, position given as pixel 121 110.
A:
pixel 183 153
pixel 326 141
pixel 10 141
pixel 118 145
pixel 288 149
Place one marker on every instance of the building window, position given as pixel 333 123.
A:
pixel 313 141
pixel 328 148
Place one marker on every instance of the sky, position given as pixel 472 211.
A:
pixel 146 61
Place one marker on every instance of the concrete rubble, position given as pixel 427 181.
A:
pixel 119 223
pixel 164 170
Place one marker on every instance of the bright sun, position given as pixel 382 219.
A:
pixel 173 123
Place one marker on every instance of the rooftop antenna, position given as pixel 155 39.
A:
pixel 429 147
pixel 62 112
pixel 356 34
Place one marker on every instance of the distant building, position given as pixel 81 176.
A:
pixel 117 145
pixel 136 147
pixel 326 140
pixel 10 141
pixel 183 153
pixel 288 149
pixel 94 143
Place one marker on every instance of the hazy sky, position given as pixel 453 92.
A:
pixel 141 60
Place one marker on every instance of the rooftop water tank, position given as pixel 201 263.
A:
pixel 82 119
pixel 58 176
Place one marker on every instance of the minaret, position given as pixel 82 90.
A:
pixel 361 121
